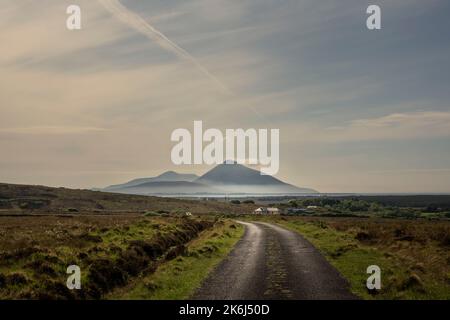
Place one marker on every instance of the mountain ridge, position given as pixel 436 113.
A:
pixel 226 178
pixel 227 173
pixel 166 176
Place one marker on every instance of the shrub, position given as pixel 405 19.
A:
pixel 16 279
pixel 152 214
pixel 105 275
pixel 175 252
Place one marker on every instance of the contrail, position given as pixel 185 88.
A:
pixel 138 23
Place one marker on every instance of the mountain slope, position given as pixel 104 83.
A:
pixel 170 187
pixel 223 179
pixel 236 178
pixel 28 199
pixel 166 176
pixel 237 174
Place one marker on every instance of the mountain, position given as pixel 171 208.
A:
pixel 237 174
pixel 236 178
pixel 170 187
pixel 226 178
pixel 165 177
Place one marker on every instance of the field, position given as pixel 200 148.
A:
pixel 23 199
pixel 137 247
pixel 414 255
pixel 178 278
pixel 115 239
pixel 112 251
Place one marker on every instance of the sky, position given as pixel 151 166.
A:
pixel 358 110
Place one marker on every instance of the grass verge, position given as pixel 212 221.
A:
pixel 404 276
pixel 179 278
pixel 111 252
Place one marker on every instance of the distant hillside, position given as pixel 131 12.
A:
pixel 231 178
pixel 236 178
pixel 414 201
pixel 166 176
pixel 20 199
pixel 170 187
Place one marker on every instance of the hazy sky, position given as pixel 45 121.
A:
pixel 358 110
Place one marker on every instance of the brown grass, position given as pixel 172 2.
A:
pixel 23 199
pixel 419 248
pixel 110 250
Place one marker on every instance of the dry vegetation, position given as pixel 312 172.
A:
pixel 114 238
pixel 22 199
pixel 179 278
pixel 110 250
pixel 414 254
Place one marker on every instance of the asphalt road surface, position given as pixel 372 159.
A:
pixel 270 262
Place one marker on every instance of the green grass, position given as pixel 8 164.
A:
pixel 178 279
pixel 87 242
pixel 351 259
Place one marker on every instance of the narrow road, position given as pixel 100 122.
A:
pixel 270 262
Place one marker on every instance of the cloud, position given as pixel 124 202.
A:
pixel 405 119
pixel 105 99
pixel 36 32
pixel 394 126
pixel 138 23
pixel 51 130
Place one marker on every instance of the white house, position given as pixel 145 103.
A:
pixel 267 211
pixel 273 211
